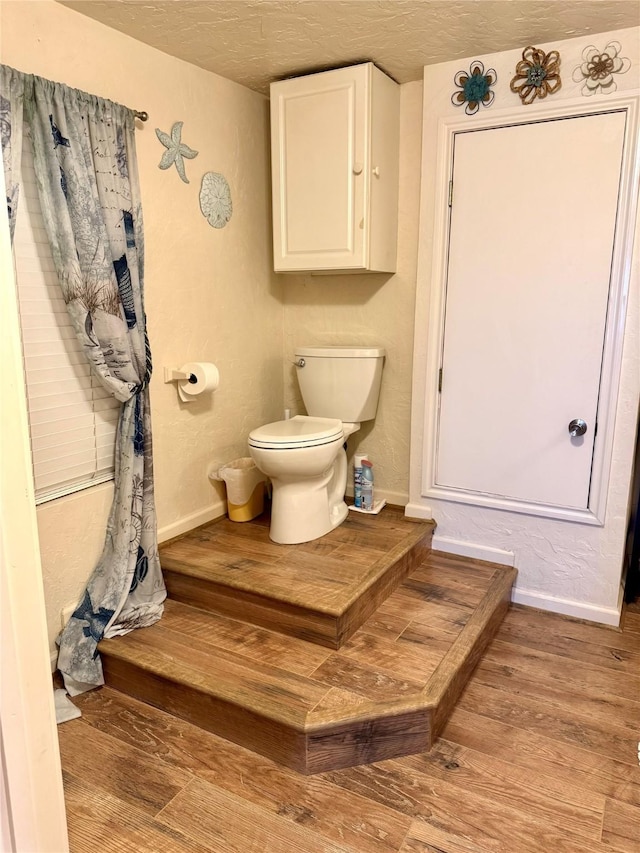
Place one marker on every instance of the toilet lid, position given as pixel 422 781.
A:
pixel 299 431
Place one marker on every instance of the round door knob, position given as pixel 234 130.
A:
pixel 577 427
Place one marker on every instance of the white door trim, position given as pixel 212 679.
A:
pixel 426 382
pixel 33 801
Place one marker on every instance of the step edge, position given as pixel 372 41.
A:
pixel 192 572
pixel 430 697
pixel 425 528
pixel 306 722
pixel 400 550
pixel 321 722
pixel 294 719
pixel 475 625
pixel 374 574
pixel 492 607
pixel 214 614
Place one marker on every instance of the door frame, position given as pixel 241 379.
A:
pixel 32 808
pixel 428 358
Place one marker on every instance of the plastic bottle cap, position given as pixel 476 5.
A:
pixel 367 463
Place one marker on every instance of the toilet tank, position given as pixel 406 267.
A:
pixel 340 382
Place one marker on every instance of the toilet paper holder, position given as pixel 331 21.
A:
pixel 193 379
pixel 171 375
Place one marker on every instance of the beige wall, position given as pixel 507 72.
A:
pixel 371 310
pixel 210 294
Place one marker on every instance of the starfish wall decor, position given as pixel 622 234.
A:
pixel 176 150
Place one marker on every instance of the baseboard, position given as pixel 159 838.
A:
pixel 395 498
pixel 189 522
pixel 418 510
pixel 470 549
pixel 568 607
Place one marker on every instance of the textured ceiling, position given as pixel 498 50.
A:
pixel 256 41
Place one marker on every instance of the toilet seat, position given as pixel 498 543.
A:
pixel 299 431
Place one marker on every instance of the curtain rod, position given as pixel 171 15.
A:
pixel 141 114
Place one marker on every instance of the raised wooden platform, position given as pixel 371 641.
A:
pixel 385 693
pixel 320 591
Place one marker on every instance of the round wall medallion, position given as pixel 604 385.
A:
pixel 215 199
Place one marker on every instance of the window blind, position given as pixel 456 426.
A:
pixel 72 419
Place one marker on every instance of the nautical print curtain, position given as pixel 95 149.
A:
pixel 86 170
pixel 11 101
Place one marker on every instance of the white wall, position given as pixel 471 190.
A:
pixel 210 294
pixel 567 567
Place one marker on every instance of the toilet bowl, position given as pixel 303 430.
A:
pixel 305 456
pixel 305 459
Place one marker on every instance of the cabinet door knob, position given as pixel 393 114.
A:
pixel 376 171
pixel 357 168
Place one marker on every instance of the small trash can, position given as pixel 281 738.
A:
pixel 245 488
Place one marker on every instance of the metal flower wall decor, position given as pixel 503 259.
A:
pixel 598 67
pixel 215 199
pixel 537 74
pixel 176 150
pixel 475 88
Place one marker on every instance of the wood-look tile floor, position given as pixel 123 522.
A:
pixel 540 754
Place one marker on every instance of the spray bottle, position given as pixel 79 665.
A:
pixel 357 479
pixel 367 485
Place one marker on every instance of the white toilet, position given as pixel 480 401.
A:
pixel 305 456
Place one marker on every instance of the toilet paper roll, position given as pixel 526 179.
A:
pixel 204 377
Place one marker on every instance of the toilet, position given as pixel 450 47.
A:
pixel 305 456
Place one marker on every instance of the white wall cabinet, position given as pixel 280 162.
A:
pixel 335 152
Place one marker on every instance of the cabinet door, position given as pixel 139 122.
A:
pixel 319 161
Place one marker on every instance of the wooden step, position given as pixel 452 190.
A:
pixel 320 591
pixel 387 692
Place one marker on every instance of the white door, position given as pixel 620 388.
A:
pixel 531 238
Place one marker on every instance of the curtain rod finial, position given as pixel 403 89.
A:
pixel 141 114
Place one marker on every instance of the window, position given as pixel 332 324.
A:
pixel 72 419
